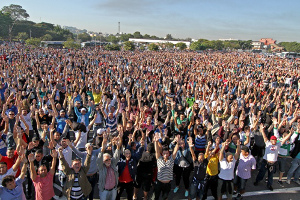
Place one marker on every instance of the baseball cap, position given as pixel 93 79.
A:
pixel 273 138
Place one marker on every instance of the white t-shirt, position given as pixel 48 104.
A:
pixel 227 169
pixel 67 152
pixel 9 172
pixel 83 139
pixel 271 152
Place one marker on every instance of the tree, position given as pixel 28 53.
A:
pixel 112 47
pixel 181 45
pixel 291 46
pixel 169 45
pixel 71 44
pixel 113 39
pixel 197 46
pixel 137 34
pixel 33 41
pixel 22 36
pixel 168 37
pixel 146 36
pixel 129 46
pixel 46 37
pixel 84 37
pixel 5 21
pixel 125 37
pixel 16 13
pixel 153 47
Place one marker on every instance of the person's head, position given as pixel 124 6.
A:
pixel 111 114
pixel 3 168
pixel 64 143
pixel 56 136
pixel 42 171
pixel 39 155
pixel 107 159
pixel 127 154
pixel 24 111
pixel 245 151
pixel 229 157
pixel 165 153
pixel 181 116
pixel 148 122
pixel 9 182
pixel 273 140
pixel 10 152
pixel 62 113
pixel 41 112
pixel 35 141
pixel 235 139
pixel 200 157
pixel 11 114
pixel 83 111
pixel 76 165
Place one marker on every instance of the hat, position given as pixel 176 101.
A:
pixel 62 110
pixel 100 131
pixel 273 138
pixel 82 109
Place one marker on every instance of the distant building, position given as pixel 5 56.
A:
pixel 230 39
pixel 149 41
pixel 267 41
pixel 257 44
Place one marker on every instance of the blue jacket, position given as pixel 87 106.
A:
pixel 79 116
pixel 132 165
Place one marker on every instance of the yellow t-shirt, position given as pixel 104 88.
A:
pixel 97 97
pixel 212 167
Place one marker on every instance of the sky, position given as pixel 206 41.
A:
pixel 208 19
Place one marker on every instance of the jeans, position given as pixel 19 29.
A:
pixel 295 169
pixel 129 190
pixel 163 188
pixel 185 173
pixel 93 181
pixel 212 183
pixel 61 178
pixel 108 195
pixel 262 171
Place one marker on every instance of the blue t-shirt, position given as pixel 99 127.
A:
pixel 3 147
pixel 61 123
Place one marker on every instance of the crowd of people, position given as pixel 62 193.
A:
pixel 207 118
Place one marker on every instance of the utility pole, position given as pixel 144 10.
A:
pixel 30 33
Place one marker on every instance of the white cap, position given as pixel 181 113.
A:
pixel 100 131
pixel 82 109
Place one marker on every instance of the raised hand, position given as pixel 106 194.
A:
pixel 90 149
pixel 31 157
pixel 54 153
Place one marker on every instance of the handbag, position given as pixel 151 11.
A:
pixel 183 162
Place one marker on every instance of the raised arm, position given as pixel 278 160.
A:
pixel 176 147
pixel 32 168
pixel 261 128
pixel 238 150
pixel 54 159
pixel 65 166
pixel 190 142
pixel 156 147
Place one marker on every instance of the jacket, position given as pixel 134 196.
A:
pixel 103 169
pixel 132 164
pixel 82 178
pixel 86 116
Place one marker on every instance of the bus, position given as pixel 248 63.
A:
pixel 288 55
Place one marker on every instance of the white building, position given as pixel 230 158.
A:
pixel 148 41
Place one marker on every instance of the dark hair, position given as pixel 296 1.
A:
pixel 10 148
pixel 7 179
pixel 165 148
pixel 76 159
pixel 3 163
pixel 245 148
pixel 39 151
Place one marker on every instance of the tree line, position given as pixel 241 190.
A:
pixel 14 26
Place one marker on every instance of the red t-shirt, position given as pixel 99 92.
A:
pixel 44 187
pixel 11 161
pixel 125 176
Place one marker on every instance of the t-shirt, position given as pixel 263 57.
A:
pixel 213 165
pixel 165 169
pixel 83 139
pixel 16 193
pixel 44 187
pixel 271 152
pixel 227 169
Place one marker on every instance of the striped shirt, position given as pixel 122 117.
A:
pixel 112 124
pixel 165 169
pixel 76 192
